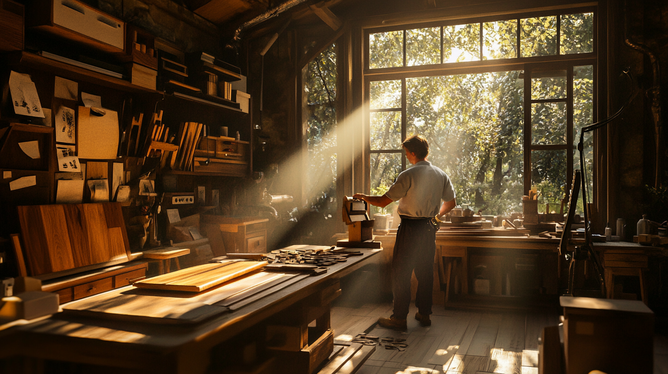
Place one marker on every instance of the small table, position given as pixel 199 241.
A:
pixel 164 255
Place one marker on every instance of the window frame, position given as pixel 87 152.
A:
pixel 527 64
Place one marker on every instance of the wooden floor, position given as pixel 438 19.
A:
pixel 459 341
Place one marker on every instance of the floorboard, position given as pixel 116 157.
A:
pixel 459 341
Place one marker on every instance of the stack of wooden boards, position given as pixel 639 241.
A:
pixel 185 296
pixel 65 238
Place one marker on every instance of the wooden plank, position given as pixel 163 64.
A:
pixel 469 364
pixel 45 234
pixel 485 336
pixel 200 278
pixel 165 253
pixel 451 338
pixel 511 333
pixel 336 362
pixel 18 253
pixel 96 235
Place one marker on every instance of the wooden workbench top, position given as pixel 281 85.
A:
pixel 151 347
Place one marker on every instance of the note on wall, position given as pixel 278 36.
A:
pixel 30 148
pixel 23 182
pixel 24 95
pixel 69 191
pixel 98 134
pixel 65 125
pixel 67 159
pixel 66 89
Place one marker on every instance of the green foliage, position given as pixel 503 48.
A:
pixel 475 122
pixel 320 90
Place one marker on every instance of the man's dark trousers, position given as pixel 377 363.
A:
pixel 414 249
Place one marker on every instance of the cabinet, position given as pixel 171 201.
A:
pixel 236 234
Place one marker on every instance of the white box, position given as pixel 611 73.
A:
pixel 244 101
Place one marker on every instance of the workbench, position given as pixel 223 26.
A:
pixel 136 346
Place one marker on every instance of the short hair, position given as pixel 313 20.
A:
pixel 418 145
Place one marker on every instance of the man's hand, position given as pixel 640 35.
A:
pixel 381 201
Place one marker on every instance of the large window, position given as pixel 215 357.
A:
pixel 500 102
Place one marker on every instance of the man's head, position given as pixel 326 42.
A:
pixel 417 145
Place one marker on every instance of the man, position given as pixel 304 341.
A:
pixel 419 190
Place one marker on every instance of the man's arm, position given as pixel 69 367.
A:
pixel 447 207
pixel 381 201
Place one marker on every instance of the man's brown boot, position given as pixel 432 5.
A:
pixel 423 319
pixel 393 323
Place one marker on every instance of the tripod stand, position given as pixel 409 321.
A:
pixel 584 251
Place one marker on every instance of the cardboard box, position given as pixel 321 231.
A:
pixel 613 336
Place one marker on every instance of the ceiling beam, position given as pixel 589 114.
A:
pixel 327 16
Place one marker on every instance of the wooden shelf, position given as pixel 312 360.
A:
pixel 21 59
pixel 204 101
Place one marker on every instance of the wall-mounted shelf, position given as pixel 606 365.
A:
pixel 21 59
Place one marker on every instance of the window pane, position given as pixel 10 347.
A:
pixel 386 49
pixel 548 175
pixel 385 94
pixel 499 40
pixel 547 85
pixel 386 130
pixel 461 43
pixel 583 115
pixel 422 46
pixel 577 33
pixel 538 36
pixel 548 123
pixel 474 126
pixel 321 123
pixel 385 167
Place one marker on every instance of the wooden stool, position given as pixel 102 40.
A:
pixel 446 267
pixel 626 264
pixel 164 256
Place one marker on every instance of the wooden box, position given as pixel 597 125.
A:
pixel 306 360
pixel 140 48
pixel 236 234
pixel 142 76
pixel 11 24
pixel 13 156
pixel 74 20
pixel 603 334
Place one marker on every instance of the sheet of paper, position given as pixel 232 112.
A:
pixel 23 182
pixel 6 174
pixel 67 159
pixel 24 95
pixel 92 128
pixel 66 89
pixel 123 194
pixel 117 177
pixel 65 125
pixel 90 100
pixel 47 120
pixel 31 149
pixel 173 216
pixel 69 191
pixel 99 190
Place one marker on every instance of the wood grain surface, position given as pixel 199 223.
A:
pixel 62 237
pixel 201 277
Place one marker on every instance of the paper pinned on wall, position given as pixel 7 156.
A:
pixel 90 100
pixel 123 194
pixel 99 190
pixel 116 177
pixel 65 125
pixel 91 129
pixel 6 174
pixel 31 149
pixel 23 182
pixel 65 89
pixel 173 216
pixel 69 191
pixel 24 95
pixel 67 159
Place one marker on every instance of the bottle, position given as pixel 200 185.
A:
pixel 608 232
pixel 643 225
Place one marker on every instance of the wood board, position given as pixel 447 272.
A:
pixel 163 307
pixel 200 278
pixel 61 237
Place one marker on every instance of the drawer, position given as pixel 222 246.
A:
pixel 65 295
pixel 93 288
pixel 131 276
pixel 256 244
pixel 253 227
